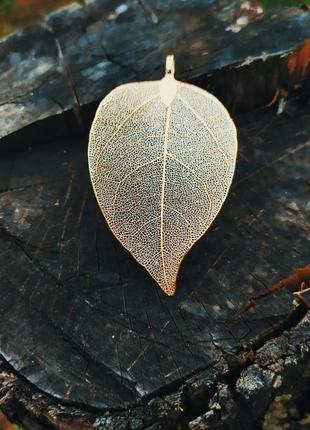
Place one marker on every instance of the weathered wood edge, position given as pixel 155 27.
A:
pixel 235 393
pixel 194 403
pixel 63 94
pixel 237 390
pixel 241 285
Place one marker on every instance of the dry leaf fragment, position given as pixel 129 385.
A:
pixel 161 158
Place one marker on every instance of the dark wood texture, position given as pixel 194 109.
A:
pixel 87 338
pixel 52 75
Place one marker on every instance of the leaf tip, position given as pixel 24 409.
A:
pixel 169 289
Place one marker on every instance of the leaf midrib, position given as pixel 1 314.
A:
pixel 162 197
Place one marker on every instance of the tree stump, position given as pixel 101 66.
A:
pixel 87 340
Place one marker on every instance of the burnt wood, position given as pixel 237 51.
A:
pixel 87 339
pixel 52 75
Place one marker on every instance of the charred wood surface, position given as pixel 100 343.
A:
pixel 87 339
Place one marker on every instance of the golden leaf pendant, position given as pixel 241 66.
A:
pixel 161 157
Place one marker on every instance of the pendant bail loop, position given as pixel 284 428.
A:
pixel 170 65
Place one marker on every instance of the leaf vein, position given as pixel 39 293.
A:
pixel 162 197
pixel 194 174
pixel 141 227
pixel 181 215
pixel 219 146
pixel 123 123
pixel 130 174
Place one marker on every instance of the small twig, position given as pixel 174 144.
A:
pixel 304 289
pixel 280 92
pixel 296 279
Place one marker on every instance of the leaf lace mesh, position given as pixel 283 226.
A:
pixel 161 173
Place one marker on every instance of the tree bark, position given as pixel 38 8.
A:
pixel 87 339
